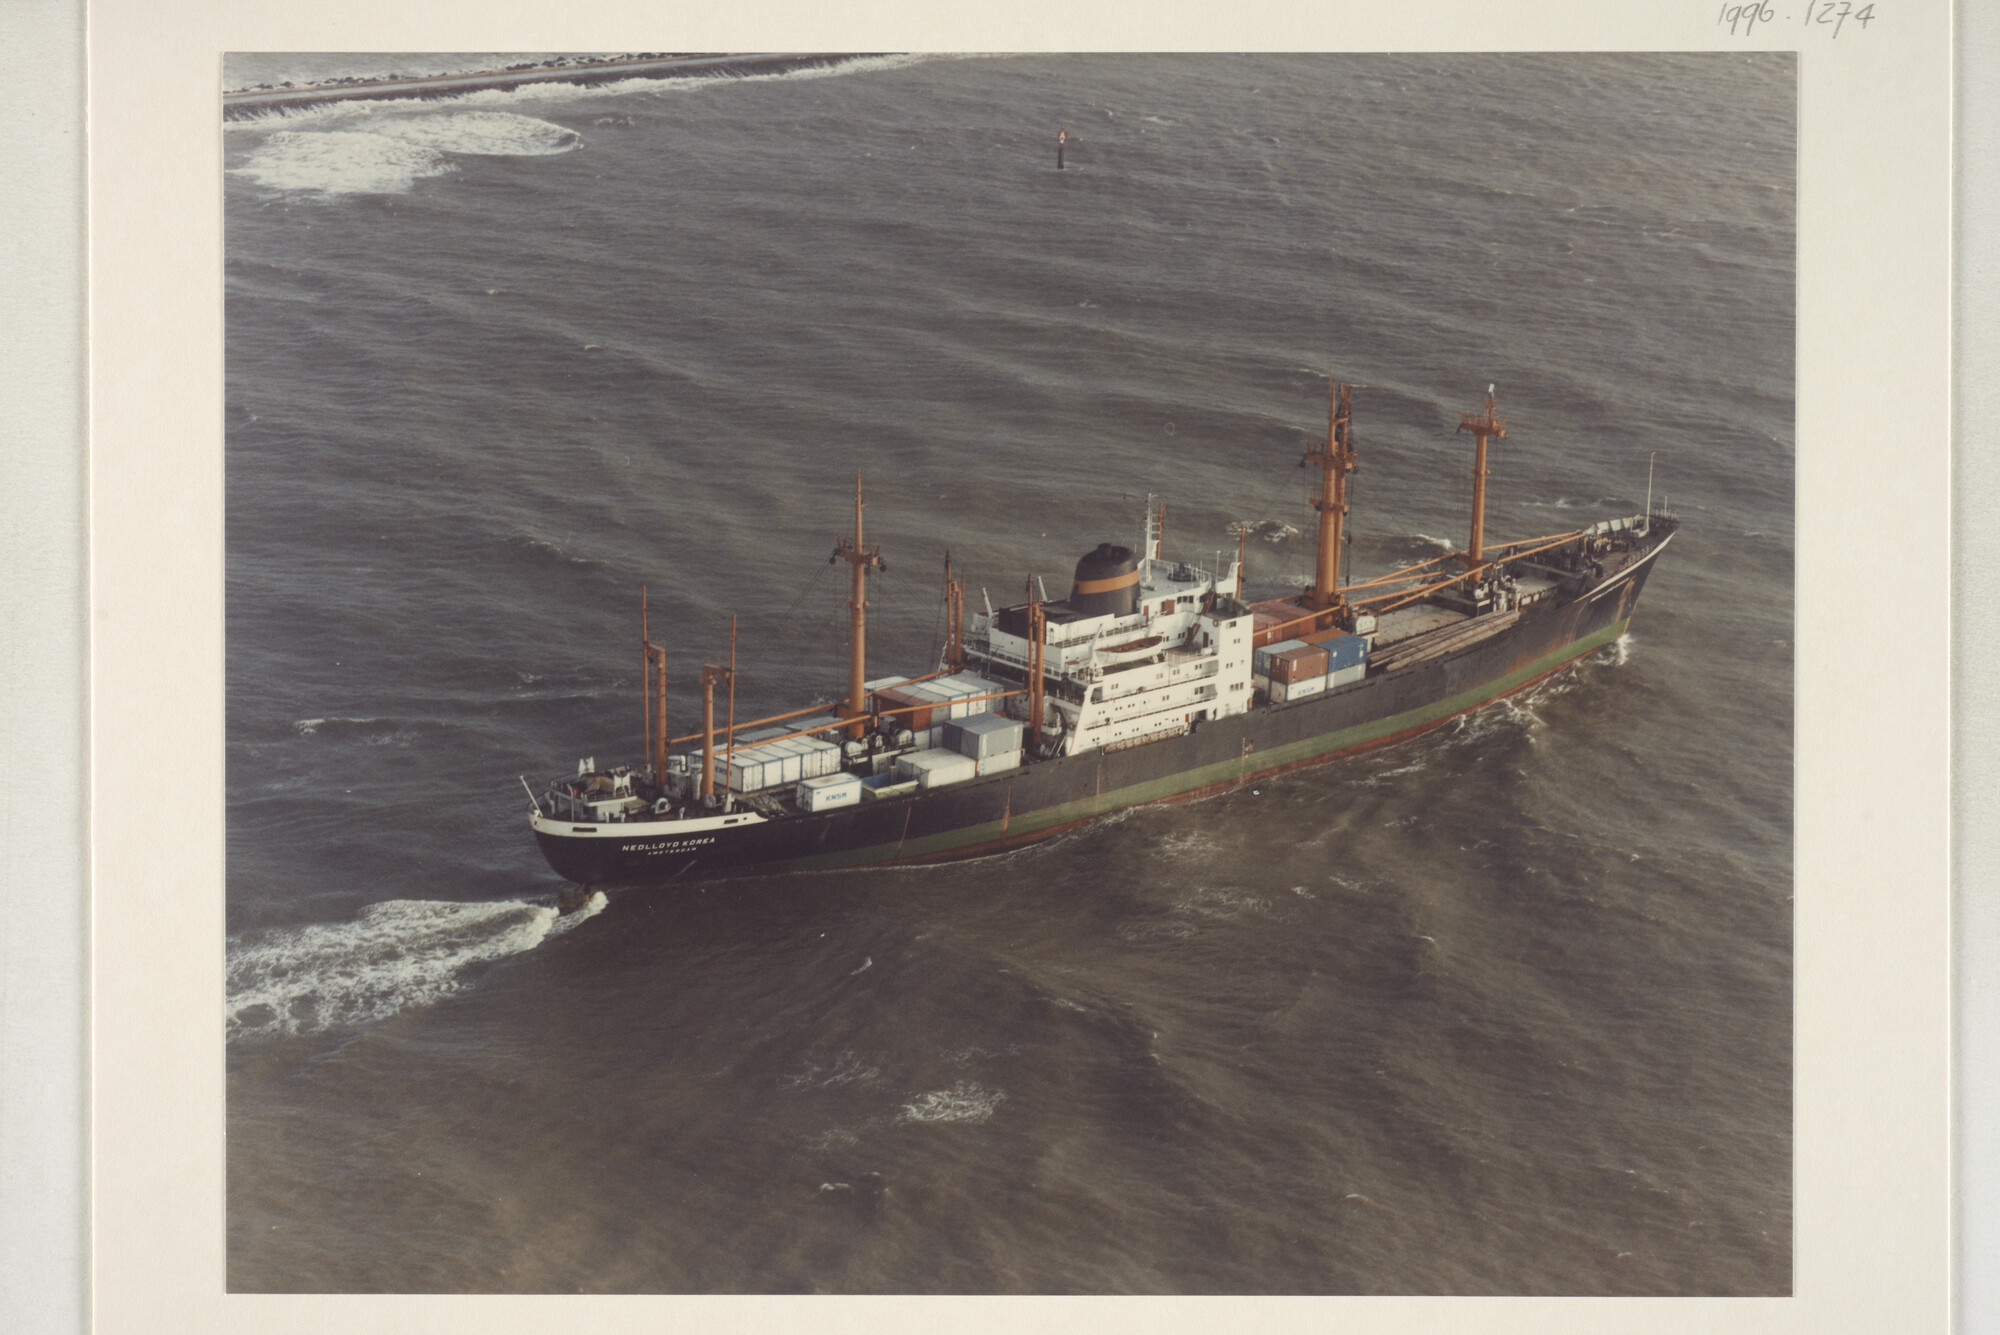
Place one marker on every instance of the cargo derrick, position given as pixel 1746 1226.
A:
pixel 861 558
pixel 653 691
pixel 1335 462
pixel 1482 427
pixel 954 618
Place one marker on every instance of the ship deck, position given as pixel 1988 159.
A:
pixel 1417 619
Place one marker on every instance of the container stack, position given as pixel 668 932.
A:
pixel 929 705
pixel 1294 669
pixel 991 741
pixel 760 763
pixel 1347 658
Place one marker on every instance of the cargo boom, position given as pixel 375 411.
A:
pixel 1151 681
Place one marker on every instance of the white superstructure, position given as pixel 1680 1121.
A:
pixel 1110 679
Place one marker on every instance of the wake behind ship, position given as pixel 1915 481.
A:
pixel 1152 680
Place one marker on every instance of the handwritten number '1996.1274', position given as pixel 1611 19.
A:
pixel 1742 20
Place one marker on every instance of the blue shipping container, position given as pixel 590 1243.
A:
pixel 1345 652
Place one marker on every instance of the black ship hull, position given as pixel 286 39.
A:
pixel 1045 797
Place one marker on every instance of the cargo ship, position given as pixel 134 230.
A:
pixel 1153 680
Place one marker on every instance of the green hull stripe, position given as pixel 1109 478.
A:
pixel 1154 790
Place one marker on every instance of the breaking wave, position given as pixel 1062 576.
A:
pixel 483 134
pixel 398 954
pixel 340 162
pixel 387 153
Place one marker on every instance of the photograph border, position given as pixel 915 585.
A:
pixel 1872 1133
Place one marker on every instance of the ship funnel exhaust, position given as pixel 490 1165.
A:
pixel 1107 582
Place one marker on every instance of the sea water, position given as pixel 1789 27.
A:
pixel 1504 1009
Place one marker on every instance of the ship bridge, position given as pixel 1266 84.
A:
pixel 1143 647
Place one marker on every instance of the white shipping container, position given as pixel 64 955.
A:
pixel 966 684
pixel 821 758
pixel 959 770
pixel 980 735
pixel 1347 674
pixel 994 764
pixel 934 768
pixel 828 791
pixel 755 770
pixel 1283 691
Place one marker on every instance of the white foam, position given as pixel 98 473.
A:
pixel 963 1102
pixel 1180 845
pixel 397 954
pixel 481 134
pixel 340 162
pixel 1270 530
pixel 370 150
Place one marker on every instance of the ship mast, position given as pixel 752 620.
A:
pixel 1037 632
pixel 1335 462
pixel 954 617
pixel 1483 426
pixel 654 692
pixel 860 557
pixel 710 674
